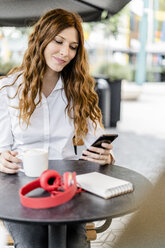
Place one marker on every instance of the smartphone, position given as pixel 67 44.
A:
pixel 106 138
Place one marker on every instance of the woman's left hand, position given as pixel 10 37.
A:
pixel 98 155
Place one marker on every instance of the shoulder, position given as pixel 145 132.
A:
pixel 9 80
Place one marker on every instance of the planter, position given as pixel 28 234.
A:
pixel 162 77
pixel 130 91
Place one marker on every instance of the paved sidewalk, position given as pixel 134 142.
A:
pixel 140 146
pixel 141 142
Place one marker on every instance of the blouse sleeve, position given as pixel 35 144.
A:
pixel 6 137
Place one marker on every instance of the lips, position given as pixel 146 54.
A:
pixel 60 61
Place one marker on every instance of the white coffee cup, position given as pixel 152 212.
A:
pixel 35 161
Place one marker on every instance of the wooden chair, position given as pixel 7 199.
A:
pixel 9 238
pixel 79 143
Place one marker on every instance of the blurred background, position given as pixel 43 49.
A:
pixel 113 43
pixel 126 52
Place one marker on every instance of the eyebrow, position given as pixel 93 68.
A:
pixel 75 42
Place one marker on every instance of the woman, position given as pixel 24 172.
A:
pixel 45 102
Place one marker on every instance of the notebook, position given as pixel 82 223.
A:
pixel 103 185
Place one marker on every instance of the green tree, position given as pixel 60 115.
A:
pixel 110 25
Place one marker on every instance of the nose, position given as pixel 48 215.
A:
pixel 64 50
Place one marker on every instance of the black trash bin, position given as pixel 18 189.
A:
pixel 115 99
pixel 103 90
pixel 115 88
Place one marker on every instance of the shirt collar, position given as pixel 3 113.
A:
pixel 59 85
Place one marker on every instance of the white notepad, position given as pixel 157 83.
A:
pixel 103 185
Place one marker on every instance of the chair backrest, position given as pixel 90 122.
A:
pixel 79 143
pixel 3 236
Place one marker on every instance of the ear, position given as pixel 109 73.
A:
pixel 50 180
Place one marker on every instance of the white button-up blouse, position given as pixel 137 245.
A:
pixel 50 127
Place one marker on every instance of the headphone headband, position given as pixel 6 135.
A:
pixel 60 191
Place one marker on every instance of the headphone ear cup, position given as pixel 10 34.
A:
pixel 50 180
pixel 66 180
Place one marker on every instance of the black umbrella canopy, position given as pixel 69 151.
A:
pixel 25 12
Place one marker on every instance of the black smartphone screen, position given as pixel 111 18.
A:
pixel 106 138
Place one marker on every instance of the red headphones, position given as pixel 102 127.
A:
pixel 60 191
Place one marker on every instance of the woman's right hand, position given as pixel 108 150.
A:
pixel 9 162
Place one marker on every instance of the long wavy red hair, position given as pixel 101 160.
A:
pixel 78 84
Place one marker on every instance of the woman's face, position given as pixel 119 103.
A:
pixel 60 51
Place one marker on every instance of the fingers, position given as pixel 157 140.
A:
pixel 98 155
pixel 104 151
pixel 7 170
pixel 8 162
pixel 11 157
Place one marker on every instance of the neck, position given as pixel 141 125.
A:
pixel 49 81
pixel 50 77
